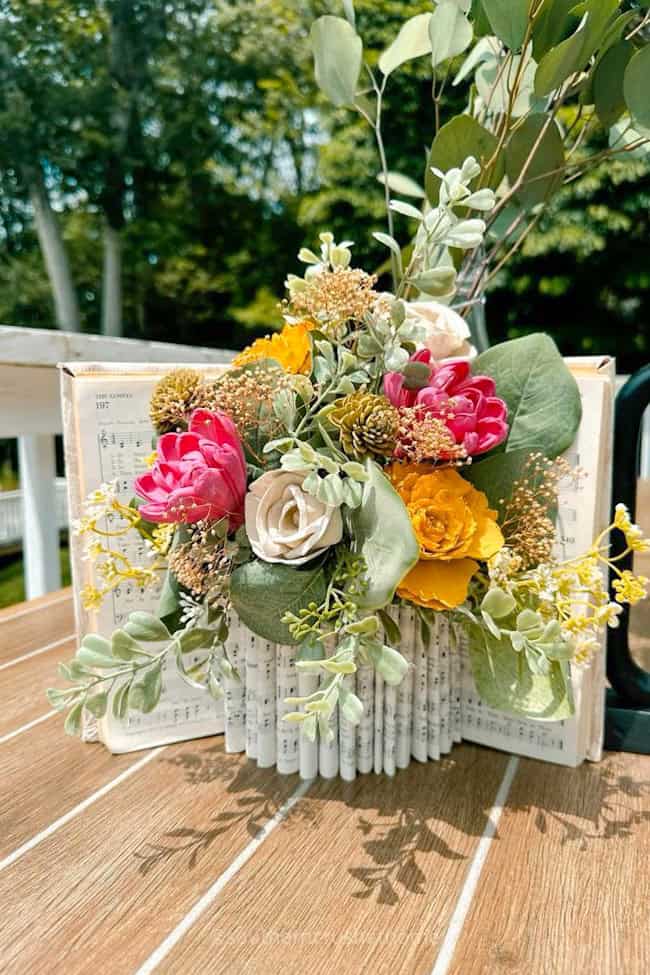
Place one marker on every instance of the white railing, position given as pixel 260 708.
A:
pixel 11 513
pixel 30 410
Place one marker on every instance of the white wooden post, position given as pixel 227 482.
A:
pixel 37 468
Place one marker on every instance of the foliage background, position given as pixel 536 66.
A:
pixel 195 129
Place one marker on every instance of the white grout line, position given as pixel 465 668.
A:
pixel 464 902
pixel 34 609
pixel 213 892
pixel 35 653
pixel 58 823
pixel 26 727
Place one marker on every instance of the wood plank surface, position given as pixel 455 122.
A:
pixel 362 876
pixel 34 624
pixel 566 888
pixel 103 892
pixel 44 773
pixel 23 687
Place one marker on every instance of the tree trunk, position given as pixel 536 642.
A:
pixel 55 256
pixel 112 282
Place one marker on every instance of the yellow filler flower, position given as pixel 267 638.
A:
pixel 453 525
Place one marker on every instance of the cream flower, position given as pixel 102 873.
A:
pixel 284 523
pixel 446 332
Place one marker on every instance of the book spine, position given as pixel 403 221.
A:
pixel 287 733
pixel 307 750
pixel 366 727
pixel 348 738
pixel 251 696
pixel 266 716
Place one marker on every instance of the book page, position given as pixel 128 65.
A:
pixel 583 510
pixel 108 436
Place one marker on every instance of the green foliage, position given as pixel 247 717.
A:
pixel 337 58
pixel 524 370
pixel 543 175
pixel 388 555
pixel 262 593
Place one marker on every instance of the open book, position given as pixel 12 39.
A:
pixel 583 511
pixel 107 437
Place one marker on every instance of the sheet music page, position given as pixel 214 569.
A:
pixel 108 436
pixel 583 509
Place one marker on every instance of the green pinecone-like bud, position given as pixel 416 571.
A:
pixel 367 424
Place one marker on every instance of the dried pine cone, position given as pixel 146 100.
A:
pixel 174 398
pixel 368 425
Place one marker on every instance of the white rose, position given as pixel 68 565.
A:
pixel 447 332
pixel 284 523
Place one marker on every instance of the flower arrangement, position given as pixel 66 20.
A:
pixel 361 458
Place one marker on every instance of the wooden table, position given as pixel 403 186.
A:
pixel 188 860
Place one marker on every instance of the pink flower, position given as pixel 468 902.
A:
pixel 466 404
pixel 198 475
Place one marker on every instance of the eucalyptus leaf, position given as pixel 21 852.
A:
pixel 401 184
pixel 450 32
pixel 553 23
pixel 262 592
pixel 72 723
pixel 509 20
pixel 146 627
pixel 338 51
pixel 461 137
pixel 93 641
pixel 635 87
pixel 123 646
pixel 97 704
pixel 93 658
pixel 388 556
pixel 607 83
pixel 120 702
pixel 169 603
pixel 151 689
pixel 198 638
pixel 541 179
pixel 542 396
pixel 573 53
pixel 413 41
pixel 504 681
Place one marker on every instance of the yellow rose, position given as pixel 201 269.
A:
pixel 290 347
pixel 453 525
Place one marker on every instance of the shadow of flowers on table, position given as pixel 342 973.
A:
pixel 584 805
pixel 259 794
pixel 434 808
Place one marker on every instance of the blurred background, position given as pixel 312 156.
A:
pixel 162 162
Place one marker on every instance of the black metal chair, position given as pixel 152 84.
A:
pixel 627 726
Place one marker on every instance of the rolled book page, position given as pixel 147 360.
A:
pixel 445 666
pixel 379 724
pixel 419 732
pixel 404 716
pixel 235 690
pixel 307 750
pixel 348 738
pixel 390 730
pixel 456 684
pixel 266 716
pixel 366 727
pixel 433 694
pixel 288 760
pixel 251 695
